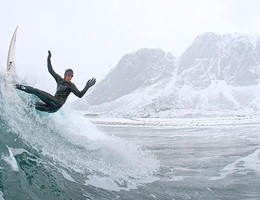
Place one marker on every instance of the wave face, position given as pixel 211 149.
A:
pixel 62 155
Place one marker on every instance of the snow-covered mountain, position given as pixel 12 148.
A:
pixel 136 70
pixel 233 58
pixel 218 73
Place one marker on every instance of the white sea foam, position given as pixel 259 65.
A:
pixel 18 151
pixel 109 184
pixel 76 144
pixel 1 196
pixel 178 122
pixel 248 163
pixel 11 160
pixel 154 197
pixel 67 176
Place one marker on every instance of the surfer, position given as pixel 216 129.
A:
pixel 52 103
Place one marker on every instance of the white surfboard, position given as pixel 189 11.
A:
pixel 10 67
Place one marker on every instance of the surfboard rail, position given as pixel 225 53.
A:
pixel 10 67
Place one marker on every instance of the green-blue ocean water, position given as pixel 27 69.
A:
pixel 64 156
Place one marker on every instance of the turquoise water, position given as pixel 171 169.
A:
pixel 64 156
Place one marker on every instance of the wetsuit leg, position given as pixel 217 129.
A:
pixel 52 104
pixel 43 107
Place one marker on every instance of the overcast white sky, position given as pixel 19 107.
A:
pixel 91 36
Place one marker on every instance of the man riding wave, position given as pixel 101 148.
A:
pixel 52 103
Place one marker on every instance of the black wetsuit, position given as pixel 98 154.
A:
pixel 53 103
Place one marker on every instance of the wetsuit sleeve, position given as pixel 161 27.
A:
pixel 78 93
pixel 51 71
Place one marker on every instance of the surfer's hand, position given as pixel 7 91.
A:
pixel 91 82
pixel 49 52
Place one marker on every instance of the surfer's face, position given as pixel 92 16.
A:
pixel 68 77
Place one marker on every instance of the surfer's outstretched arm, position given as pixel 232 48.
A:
pixel 50 68
pixel 80 94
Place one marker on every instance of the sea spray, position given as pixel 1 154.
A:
pixel 69 140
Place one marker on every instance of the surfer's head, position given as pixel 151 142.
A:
pixel 68 74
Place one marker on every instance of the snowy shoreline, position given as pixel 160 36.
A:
pixel 176 122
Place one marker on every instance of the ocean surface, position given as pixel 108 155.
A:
pixel 65 156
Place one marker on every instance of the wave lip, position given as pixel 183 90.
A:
pixel 68 139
